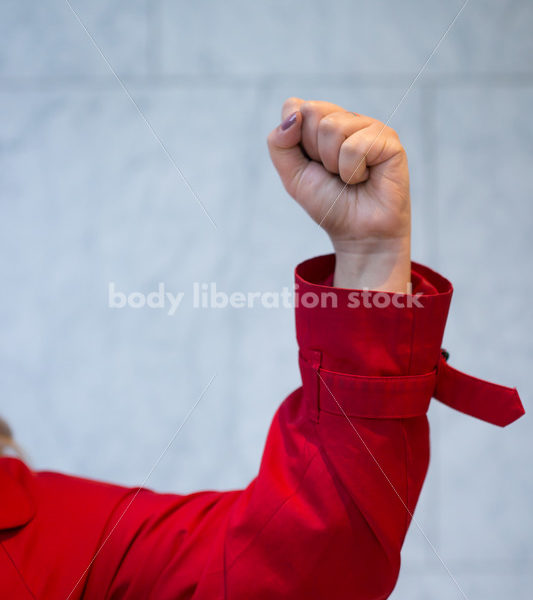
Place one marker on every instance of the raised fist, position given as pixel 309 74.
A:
pixel 349 172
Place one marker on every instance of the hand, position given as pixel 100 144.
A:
pixel 349 172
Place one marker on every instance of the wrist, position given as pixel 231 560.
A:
pixel 381 265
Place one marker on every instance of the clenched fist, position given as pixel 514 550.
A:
pixel 349 172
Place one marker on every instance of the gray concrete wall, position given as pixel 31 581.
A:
pixel 89 197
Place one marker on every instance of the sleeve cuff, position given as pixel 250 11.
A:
pixel 370 333
pixel 373 354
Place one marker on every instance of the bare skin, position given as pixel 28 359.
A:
pixel 325 150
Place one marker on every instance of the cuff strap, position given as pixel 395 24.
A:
pixel 405 396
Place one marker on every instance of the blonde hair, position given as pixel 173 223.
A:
pixel 8 445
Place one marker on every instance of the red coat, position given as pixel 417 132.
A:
pixel 326 516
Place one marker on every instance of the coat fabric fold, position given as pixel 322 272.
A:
pixel 342 468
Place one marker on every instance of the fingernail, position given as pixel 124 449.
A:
pixel 288 121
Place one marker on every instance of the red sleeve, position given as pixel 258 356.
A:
pixel 329 509
pixel 326 516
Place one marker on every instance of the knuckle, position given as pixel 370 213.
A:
pixel 308 106
pixel 328 123
pixel 374 138
pixel 290 101
pixel 394 143
pixel 391 132
pixel 354 145
pixel 397 147
pixel 393 137
pixel 352 160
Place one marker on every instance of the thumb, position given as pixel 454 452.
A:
pixel 286 152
